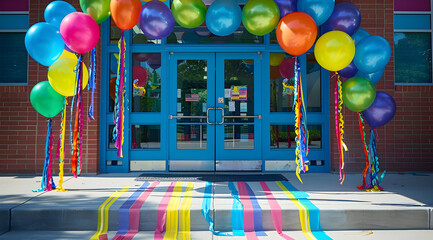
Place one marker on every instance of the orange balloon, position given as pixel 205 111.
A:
pixel 296 33
pixel 125 13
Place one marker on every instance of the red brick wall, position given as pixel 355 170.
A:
pixel 23 130
pixel 405 143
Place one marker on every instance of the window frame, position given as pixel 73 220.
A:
pixel 21 30
pixel 396 30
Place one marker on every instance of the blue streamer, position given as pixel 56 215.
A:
pixel 376 181
pixel 314 212
pixel 47 160
pixel 257 211
pixel 77 70
pixel 237 212
pixel 118 99
pixel 205 210
pixel 124 209
pixel 92 84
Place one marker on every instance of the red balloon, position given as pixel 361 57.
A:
pixel 125 13
pixel 287 68
pixel 296 33
pixel 139 73
pixel 274 72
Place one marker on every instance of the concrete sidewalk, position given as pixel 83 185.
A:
pixel 406 204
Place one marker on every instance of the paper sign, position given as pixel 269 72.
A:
pixel 238 93
pixel 227 93
pixel 179 107
pixel 232 106
pixel 244 107
pixel 179 93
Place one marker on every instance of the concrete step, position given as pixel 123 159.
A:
pixel 77 209
pixel 204 235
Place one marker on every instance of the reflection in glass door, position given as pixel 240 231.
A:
pixel 214 112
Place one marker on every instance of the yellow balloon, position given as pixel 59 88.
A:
pixel 67 54
pixel 61 76
pixel 334 50
pixel 276 59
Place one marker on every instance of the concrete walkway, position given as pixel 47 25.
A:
pixel 345 212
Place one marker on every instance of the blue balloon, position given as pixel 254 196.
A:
pixel 348 71
pixel 286 6
pixel 190 37
pixel 381 111
pixel 345 17
pixel 56 11
pixel 44 43
pixel 223 17
pixel 156 20
pixel 373 77
pixel 372 54
pixel 359 35
pixel 319 10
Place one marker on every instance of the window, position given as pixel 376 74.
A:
pixel 14 19
pixel 413 41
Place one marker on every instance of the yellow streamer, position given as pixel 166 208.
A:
pixel 341 124
pixel 304 215
pixel 185 214
pixel 62 150
pixel 103 213
pixel 173 213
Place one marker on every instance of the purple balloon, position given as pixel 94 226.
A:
pixel 345 17
pixel 286 6
pixel 348 71
pixel 156 20
pixel 154 61
pixel 381 111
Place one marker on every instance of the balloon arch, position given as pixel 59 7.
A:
pixel 345 49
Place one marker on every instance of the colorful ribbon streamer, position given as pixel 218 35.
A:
pixel 162 213
pixel 61 148
pixel 172 220
pixel 118 113
pixel 78 125
pixel 277 213
pixel 47 183
pixel 103 211
pixel 300 124
pixel 237 212
pixel 308 212
pixel 248 212
pixel 185 214
pixel 257 210
pixel 364 145
pixel 134 212
pixel 205 210
pixel 125 209
pixel 92 83
pixel 339 123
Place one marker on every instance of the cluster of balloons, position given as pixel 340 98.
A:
pixel 55 43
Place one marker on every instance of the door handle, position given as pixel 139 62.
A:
pixel 207 116
pixel 222 111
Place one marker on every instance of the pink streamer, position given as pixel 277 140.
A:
pixel 49 175
pixel 277 214
pixel 249 230
pixel 162 213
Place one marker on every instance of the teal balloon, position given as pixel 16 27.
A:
pixel 359 35
pixel 260 17
pixel 44 43
pixel 358 93
pixel 189 13
pixel 372 54
pixel 97 9
pixel 56 11
pixel 319 10
pixel 373 77
pixel 45 100
pixel 223 17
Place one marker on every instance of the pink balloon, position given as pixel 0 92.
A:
pixel 287 68
pixel 80 32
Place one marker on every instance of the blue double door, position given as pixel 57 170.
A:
pixel 215 112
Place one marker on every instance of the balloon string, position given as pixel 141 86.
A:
pixel 44 181
pixel 77 120
pixel 376 181
pixel 119 102
pixel 364 172
pixel 80 135
pixel 340 124
pixel 92 84
pixel 61 148
pixel 50 181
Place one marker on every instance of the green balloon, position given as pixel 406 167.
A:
pixel 45 100
pixel 97 9
pixel 358 93
pixel 189 13
pixel 260 17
